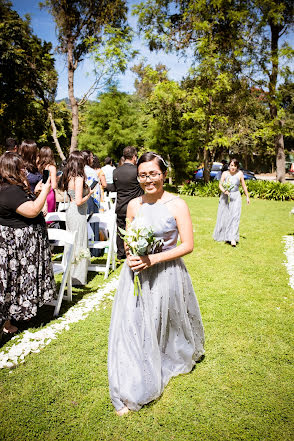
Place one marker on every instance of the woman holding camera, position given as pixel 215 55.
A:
pixel 26 273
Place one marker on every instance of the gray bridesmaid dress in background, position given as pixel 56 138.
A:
pixel 158 334
pixel 76 220
pixel 228 214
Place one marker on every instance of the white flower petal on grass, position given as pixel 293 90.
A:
pixel 33 342
pixel 289 252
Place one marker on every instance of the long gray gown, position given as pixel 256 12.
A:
pixel 228 214
pixel 76 220
pixel 158 334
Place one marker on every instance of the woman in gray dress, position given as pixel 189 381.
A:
pixel 74 182
pixel 158 334
pixel 229 209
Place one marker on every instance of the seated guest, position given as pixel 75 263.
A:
pixel 29 152
pixel 26 273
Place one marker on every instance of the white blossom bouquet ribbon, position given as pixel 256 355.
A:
pixel 228 186
pixel 141 241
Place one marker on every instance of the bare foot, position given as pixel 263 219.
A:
pixel 122 411
pixel 8 328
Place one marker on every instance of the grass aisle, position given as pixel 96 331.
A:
pixel 242 390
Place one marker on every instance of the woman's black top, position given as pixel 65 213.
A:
pixel 11 197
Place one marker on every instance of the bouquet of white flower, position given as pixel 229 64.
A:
pixel 141 242
pixel 228 186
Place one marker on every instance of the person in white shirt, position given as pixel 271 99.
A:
pixel 108 171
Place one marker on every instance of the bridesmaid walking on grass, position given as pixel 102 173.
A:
pixel 159 333
pixel 229 209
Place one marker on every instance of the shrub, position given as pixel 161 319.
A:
pixel 200 189
pixel 256 189
pixel 270 190
pixel 171 188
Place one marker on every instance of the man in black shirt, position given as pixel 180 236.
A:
pixel 128 188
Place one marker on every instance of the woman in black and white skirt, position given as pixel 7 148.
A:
pixel 26 273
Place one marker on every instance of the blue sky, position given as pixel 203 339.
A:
pixel 44 27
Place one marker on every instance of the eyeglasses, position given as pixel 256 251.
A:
pixel 153 176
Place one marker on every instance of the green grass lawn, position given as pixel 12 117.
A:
pixel 242 390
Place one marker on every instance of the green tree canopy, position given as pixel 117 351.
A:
pixel 28 79
pixel 111 124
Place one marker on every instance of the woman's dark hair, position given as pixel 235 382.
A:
pixel 12 171
pixel 28 150
pixel 96 163
pixel 151 156
pixel 10 144
pixel 235 162
pixel 74 167
pixel 88 157
pixel 121 161
pixel 45 158
pixel 108 160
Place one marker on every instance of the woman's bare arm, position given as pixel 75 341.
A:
pixel 102 179
pixel 52 170
pixel 244 187
pixel 223 177
pixel 79 189
pixel 31 209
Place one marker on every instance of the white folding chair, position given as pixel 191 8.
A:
pixel 107 223
pixel 109 202
pixel 56 216
pixel 61 238
pixel 113 199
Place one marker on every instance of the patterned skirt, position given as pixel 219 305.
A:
pixel 26 272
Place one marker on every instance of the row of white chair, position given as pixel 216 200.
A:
pixel 60 237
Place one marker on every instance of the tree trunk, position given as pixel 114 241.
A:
pixel 54 135
pixel 207 154
pixel 273 77
pixel 246 157
pixel 206 169
pixel 71 65
pixel 280 158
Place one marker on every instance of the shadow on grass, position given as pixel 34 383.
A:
pixel 45 313
pixel 154 402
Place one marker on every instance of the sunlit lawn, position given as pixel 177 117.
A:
pixel 242 390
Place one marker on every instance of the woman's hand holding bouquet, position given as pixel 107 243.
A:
pixel 228 187
pixel 140 243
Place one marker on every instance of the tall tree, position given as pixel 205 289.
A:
pixel 28 78
pixel 148 78
pixel 210 30
pixel 220 34
pixel 270 20
pixel 81 25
